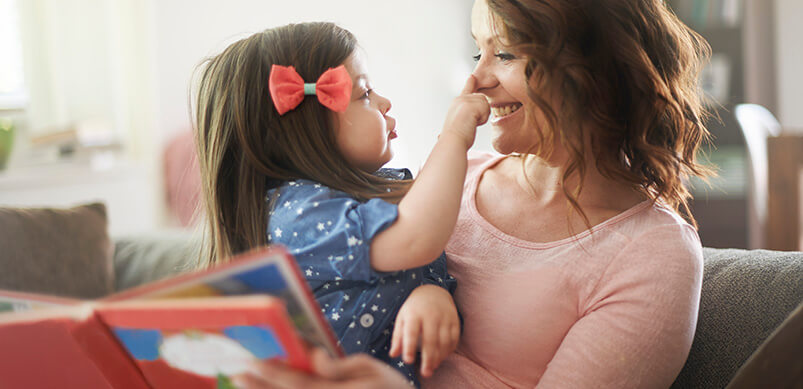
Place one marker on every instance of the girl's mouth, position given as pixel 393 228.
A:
pixel 503 112
pixel 392 134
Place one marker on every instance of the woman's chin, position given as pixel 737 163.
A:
pixel 501 146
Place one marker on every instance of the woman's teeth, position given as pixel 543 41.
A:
pixel 505 110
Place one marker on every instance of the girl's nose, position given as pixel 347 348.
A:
pixel 384 104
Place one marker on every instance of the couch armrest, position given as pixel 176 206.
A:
pixel 746 294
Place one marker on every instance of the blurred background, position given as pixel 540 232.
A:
pixel 94 100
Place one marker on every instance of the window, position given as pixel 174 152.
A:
pixel 13 94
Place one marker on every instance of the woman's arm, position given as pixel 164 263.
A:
pixel 428 213
pixel 352 372
pixel 638 325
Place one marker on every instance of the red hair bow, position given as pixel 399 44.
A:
pixel 287 88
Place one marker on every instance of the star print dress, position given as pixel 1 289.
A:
pixel 329 232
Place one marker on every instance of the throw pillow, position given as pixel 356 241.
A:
pixel 64 252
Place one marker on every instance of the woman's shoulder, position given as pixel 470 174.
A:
pixel 650 254
pixel 650 218
pixel 659 216
pixel 479 160
pixel 659 234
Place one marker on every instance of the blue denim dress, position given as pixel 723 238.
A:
pixel 330 233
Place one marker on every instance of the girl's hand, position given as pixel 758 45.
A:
pixel 428 313
pixel 356 371
pixel 467 112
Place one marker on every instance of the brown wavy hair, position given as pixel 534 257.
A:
pixel 245 147
pixel 624 70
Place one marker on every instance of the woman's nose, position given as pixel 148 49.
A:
pixel 484 75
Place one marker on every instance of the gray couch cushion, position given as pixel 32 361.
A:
pixel 144 258
pixel 745 296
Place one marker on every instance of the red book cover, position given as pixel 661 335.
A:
pixel 196 330
pixel 63 348
pixel 200 342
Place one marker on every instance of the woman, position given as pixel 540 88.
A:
pixel 574 267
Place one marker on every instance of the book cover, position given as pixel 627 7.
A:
pixel 195 330
pixel 202 343
pixel 63 348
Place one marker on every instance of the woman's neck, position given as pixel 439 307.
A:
pixel 543 179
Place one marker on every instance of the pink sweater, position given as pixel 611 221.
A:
pixel 612 309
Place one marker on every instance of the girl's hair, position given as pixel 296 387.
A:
pixel 624 70
pixel 245 147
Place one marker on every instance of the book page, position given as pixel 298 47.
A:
pixel 11 301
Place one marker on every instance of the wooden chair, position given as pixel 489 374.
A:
pixel 785 216
pixel 757 124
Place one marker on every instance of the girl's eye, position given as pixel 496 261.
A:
pixel 477 57
pixel 366 94
pixel 504 57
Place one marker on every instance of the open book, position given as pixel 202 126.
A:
pixel 195 330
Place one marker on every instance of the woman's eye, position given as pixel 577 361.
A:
pixel 504 57
pixel 366 94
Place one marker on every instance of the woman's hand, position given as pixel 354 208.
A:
pixel 467 112
pixel 428 314
pixel 356 371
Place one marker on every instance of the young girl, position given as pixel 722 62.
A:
pixel 291 140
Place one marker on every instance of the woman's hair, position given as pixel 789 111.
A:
pixel 245 147
pixel 624 70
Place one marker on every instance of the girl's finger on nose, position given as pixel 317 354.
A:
pixel 471 84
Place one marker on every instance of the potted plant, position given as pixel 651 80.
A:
pixel 6 140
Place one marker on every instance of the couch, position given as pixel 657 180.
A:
pixel 746 295
pixel 750 322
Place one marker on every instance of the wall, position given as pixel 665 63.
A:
pixel 418 51
pixel 789 30
pixel 760 58
pixel 419 56
pixel 130 62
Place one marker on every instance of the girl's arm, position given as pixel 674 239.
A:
pixel 428 213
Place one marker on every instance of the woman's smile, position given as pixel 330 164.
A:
pixel 503 112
